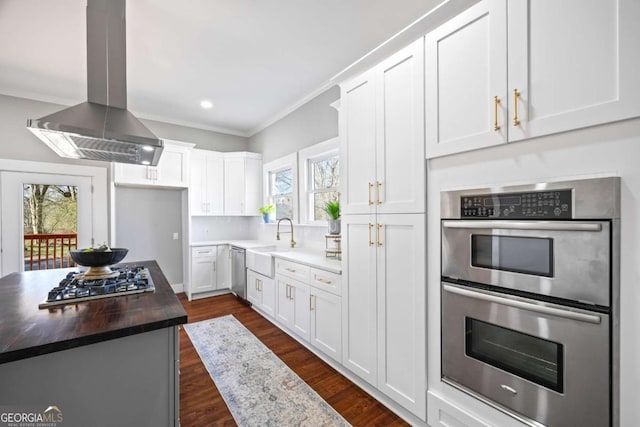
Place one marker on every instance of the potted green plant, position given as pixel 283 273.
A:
pixel 266 212
pixel 333 211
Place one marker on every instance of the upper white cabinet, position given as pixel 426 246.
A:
pixel 242 184
pixel 172 169
pixel 206 188
pixel 384 305
pixel 495 74
pixel 382 137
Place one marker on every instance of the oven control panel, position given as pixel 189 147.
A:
pixel 551 204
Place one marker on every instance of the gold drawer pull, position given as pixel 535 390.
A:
pixel 516 95
pixel 496 102
pixel 323 280
pixel 370 187
pixel 370 227
pixel 291 270
pixel 378 185
pixel 378 234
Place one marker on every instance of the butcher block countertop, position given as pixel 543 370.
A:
pixel 27 331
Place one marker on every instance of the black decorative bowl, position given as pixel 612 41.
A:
pixel 98 258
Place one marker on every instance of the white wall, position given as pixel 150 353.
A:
pixel 204 228
pixel 612 149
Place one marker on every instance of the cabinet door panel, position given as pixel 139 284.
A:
pixel 326 327
pixel 223 268
pixel 214 186
pixel 575 64
pixel 400 180
pixel 284 304
pixel 253 293
pixel 202 274
pixel 357 146
pixel 197 185
pixel 172 167
pixel 268 290
pixel 301 308
pixel 401 306
pixel 359 297
pixel 465 68
pixel 234 186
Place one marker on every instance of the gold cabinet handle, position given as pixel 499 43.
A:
pixel 516 96
pixel 378 234
pixel 496 102
pixel 292 270
pixel 370 241
pixel 378 185
pixel 370 187
pixel 323 280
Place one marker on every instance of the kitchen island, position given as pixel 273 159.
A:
pixel 112 361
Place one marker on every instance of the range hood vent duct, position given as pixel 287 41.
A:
pixel 102 128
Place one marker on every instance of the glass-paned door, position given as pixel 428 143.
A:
pixel 50 225
pixel 44 216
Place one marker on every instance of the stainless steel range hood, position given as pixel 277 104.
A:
pixel 102 128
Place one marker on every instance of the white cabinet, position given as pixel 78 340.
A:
pixel 384 305
pixel 309 304
pixel 209 270
pixel 206 185
pixel 293 305
pixel 495 74
pixel 242 184
pixel 382 137
pixel 172 170
pixel 261 292
pixel 325 331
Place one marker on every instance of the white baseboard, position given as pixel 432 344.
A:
pixel 177 288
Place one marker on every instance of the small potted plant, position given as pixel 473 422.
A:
pixel 333 210
pixel 266 212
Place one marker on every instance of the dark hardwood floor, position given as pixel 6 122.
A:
pixel 202 405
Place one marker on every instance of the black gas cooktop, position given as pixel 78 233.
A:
pixel 75 288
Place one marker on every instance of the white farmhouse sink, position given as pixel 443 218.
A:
pixel 261 261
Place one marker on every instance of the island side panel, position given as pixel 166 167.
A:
pixel 126 381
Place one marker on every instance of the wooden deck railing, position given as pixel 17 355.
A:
pixel 46 251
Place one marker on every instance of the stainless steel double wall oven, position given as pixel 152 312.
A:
pixel 530 284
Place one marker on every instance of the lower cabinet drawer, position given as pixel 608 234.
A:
pixel 204 251
pixel 326 280
pixel 291 269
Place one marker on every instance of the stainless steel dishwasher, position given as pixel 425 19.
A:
pixel 238 273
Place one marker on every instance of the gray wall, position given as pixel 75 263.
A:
pixel 145 222
pixel 313 122
pixel 204 139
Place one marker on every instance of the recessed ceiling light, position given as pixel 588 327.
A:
pixel 206 104
pixel 146 162
pixel 147 148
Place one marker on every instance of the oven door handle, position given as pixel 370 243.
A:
pixel 558 312
pixel 525 225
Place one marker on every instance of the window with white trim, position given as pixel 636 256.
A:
pixel 320 180
pixel 324 185
pixel 281 186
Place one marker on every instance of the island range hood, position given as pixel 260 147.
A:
pixel 102 128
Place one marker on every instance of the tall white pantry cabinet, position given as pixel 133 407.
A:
pixel 383 205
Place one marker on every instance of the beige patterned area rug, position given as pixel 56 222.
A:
pixel 258 388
